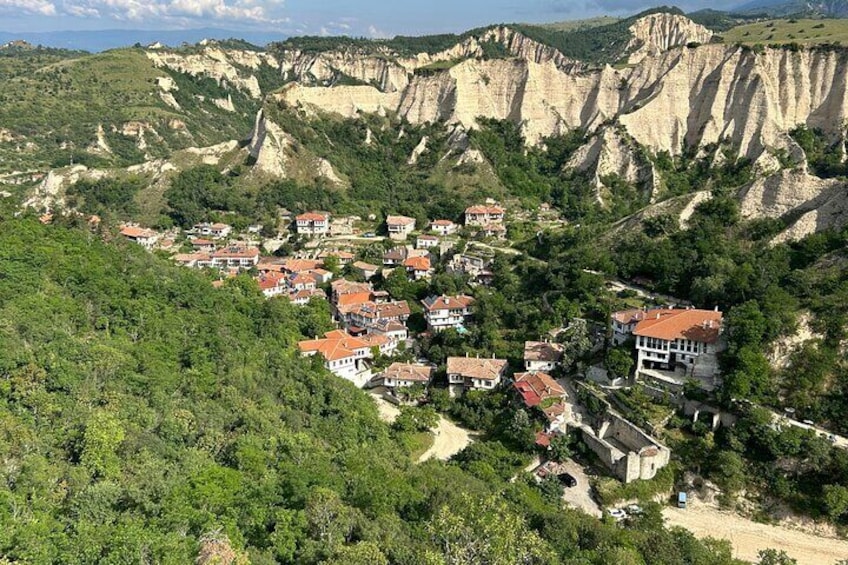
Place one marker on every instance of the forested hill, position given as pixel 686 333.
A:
pixel 147 417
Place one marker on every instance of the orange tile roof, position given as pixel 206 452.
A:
pixel 135 231
pixel 236 252
pixel 697 325
pixel 334 346
pixel 447 302
pixel 409 372
pixel 445 223
pixel 484 210
pixel 535 388
pixel 399 221
pixel 472 367
pixel 354 298
pixel 417 263
pixel 363 266
pixel 311 217
pixel 297 265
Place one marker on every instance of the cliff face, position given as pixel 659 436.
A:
pixel 684 97
pixel 657 33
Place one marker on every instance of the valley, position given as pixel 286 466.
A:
pixel 490 297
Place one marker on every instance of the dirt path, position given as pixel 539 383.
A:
pixel 748 537
pixel 449 439
pixel 388 411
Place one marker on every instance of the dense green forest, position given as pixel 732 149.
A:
pixel 145 414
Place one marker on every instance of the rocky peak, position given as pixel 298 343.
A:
pixel 656 33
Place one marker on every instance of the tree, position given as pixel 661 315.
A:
pixel 619 362
pixel 560 449
pixel 103 435
pixel 774 557
pixel 363 553
pixel 835 501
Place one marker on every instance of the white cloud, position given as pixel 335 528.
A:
pixel 149 11
pixel 41 7
pixel 375 33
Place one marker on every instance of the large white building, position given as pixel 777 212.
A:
pixel 443 312
pixel 344 355
pixel 674 346
pixel 312 224
pixel 400 227
pixel 474 373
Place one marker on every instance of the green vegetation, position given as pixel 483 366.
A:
pixel 788 31
pixel 54 102
pixel 145 411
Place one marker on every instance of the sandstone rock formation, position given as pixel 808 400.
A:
pixel 684 97
pixel 656 33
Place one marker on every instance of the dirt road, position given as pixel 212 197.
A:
pixel 748 537
pixel 388 412
pixel 449 439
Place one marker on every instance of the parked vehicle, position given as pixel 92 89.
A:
pixel 568 480
pixel 681 500
pixel 635 510
pixel 617 513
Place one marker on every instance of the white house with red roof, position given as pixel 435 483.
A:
pixel 236 257
pixel 400 227
pixel 676 345
pixel 443 227
pixel 418 268
pixel 474 373
pixel 443 312
pixel 484 215
pixel 406 375
pixel 542 355
pixel 344 355
pixel 217 230
pixel 147 238
pixel 312 224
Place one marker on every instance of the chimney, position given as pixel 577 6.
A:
pixel 658 315
pixel 716 308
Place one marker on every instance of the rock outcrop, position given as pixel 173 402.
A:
pixel 808 203
pixel 686 97
pixel 656 33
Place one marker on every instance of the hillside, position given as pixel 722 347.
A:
pixel 798 31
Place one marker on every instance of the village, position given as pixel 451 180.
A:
pixel 348 264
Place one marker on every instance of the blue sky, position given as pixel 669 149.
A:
pixel 372 18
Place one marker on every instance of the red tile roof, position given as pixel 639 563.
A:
pixel 399 221
pixel 409 372
pixel 475 368
pixel 136 232
pixel 334 346
pixel 311 217
pixel 484 210
pixel 535 388
pixel 417 263
pixel 702 326
pixel 447 302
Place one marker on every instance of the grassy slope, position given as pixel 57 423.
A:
pixel 571 25
pixel 57 104
pixel 806 31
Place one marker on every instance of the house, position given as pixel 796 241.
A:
pixel 367 270
pixel 426 242
pixel 203 245
pixel 342 287
pixel 367 314
pixel 380 343
pixel 400 227
pixel 344 355
pixel 294 266
pixel 442 312
pixel 216 230
pixel 142 236
pixel 344 257
pixel 321 276
pixel 474 373
pixel 484 215
pixel 624 322
pixel 395 331
pixel 301 297
pixel 443 227
pixel 395 257
pixel 537 388
pixel 312 224
pixel 302 281
pixel 418 268
pixel 236 256
pixel 406 375
pixel 193 260
pixel 272 284
pixel 677 345
pixel 542 356
pixel 493 230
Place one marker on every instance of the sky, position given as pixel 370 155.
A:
pixel 361 18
